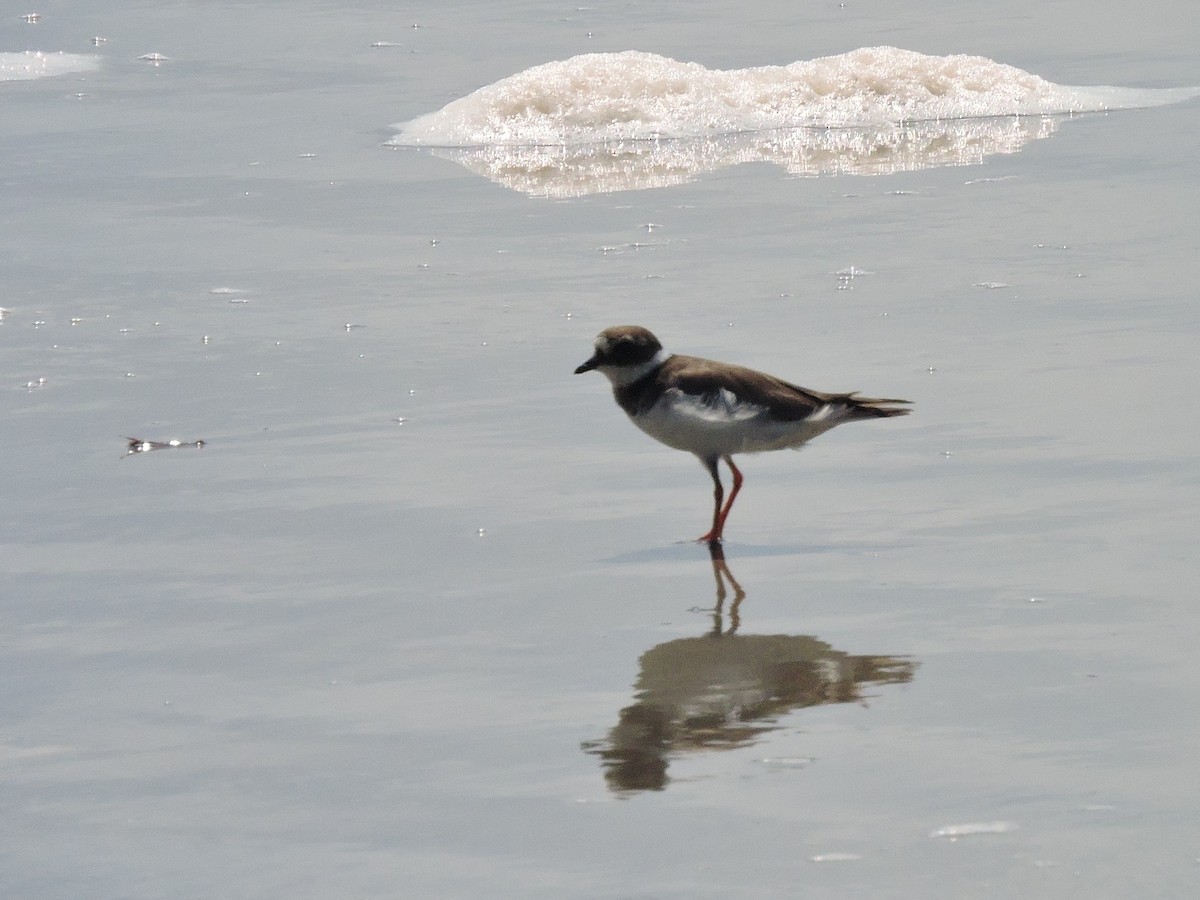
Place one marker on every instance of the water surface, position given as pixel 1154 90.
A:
pixel 377 635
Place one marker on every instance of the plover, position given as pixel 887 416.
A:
pixel 715 409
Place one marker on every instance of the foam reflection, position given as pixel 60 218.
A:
pixel 577 170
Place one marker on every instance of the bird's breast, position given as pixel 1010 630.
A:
pixel 719 424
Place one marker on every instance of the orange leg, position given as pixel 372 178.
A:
pixel 737 486
pixel 714 533
pixel 721 513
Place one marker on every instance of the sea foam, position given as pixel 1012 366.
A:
pixel 606 122
pixel 610 97
pixel 35 64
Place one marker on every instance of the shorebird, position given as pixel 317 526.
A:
pixel 715 409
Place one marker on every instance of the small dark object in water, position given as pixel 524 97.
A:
pixel 137 445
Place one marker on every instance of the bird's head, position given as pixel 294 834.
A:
pixel 624 354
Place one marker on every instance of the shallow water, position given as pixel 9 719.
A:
pixel 377 635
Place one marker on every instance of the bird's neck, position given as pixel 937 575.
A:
pixel 624 376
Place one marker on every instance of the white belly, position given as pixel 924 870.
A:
pixel 726 425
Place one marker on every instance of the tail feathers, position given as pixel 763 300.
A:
pixel 875 407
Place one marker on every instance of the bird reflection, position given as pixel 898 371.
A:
pixel 724 690
pixel 725 580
